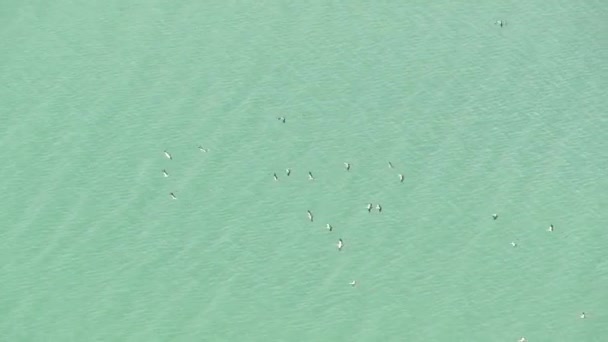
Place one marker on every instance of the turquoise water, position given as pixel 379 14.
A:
pixel 480 120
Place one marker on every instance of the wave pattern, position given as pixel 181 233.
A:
pixel 479 119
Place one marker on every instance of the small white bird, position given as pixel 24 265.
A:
pixel 582 315
pixel 165 173
pixel 495 216
pixel 551 228
pixel 275 177
pixel 353 283
pixel 401 178
pixel 168 155
pixel 514 244
pixel 310 177
pixel 390 165
pixel 347 166
pixel 309 215
pixel 340 244
pixel 287 172
pixel 379 208
pixel 369 207
pixel 281 118
pixel 173 196
pixel 523 339
pixel 202 149
pixel 329 227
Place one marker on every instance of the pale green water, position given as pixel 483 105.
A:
pixel 480 119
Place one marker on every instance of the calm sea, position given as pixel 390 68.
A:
pixel 480 119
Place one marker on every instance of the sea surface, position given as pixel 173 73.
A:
pixel 479 118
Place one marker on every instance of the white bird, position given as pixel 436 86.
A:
pixel 202 149
pixel 282 119
pixel 523 339
pixel 401 178
pixel 173 196
pixel 340 244
pixel 513 244
pixel 551 228
pixel 288 171
pixel 347 166
pixel 168 155
pixel 165 173
pixel 310 177
pixel 275 177
pixel 329 227
pixel 369 207
pixel 353 283
pixel 379 207
pixel 495 216
pixel 390 165
pixel 582 316
pixel 309 215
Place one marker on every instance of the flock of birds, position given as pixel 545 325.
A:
pixel 170 157
pixel 329 227
pixel 370 206
pixel 347 167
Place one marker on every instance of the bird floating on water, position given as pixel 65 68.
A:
pixel 347 166
pixel 165 173
pixel 168 155
pixel 582 315
pixel 329 227
pixel 310 177
pixel 281 118
pixel 390 165
pixel 202 149
pixel 275 177
pixel 353 283
pixel 340 244
pixel 401 177
pixel 494 216
pixel 551 228
pixel 379 208
pixel 513 243
pixel 369 207
pixel 287 172
pixel 310 217
pixel 173 196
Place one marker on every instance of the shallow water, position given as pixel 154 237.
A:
pixel 480 119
